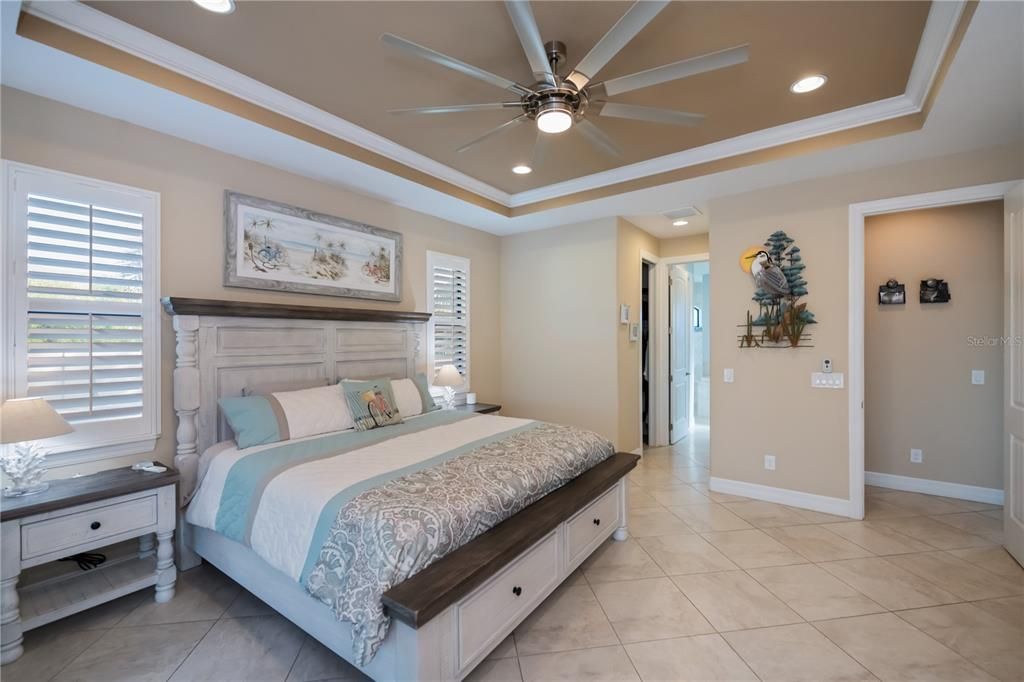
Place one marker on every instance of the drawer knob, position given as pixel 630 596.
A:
pixel 95 525
pixel 517 590
pixel 597 522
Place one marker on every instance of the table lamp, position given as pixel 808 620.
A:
pixel 448 377
pixel 24 421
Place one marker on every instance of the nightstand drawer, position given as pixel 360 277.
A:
pixel 65 532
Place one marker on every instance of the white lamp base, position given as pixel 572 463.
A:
pixel 24 469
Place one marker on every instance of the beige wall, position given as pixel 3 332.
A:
pixel 631 242
pixel 684 246
pixel 191 180
pixel 771 407
pixel 558 321
pixel 918 360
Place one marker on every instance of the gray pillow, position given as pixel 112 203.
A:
pixel 268 387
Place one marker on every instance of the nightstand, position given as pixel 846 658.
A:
pixel 78 515
pixel 479 408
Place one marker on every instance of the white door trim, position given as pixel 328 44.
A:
pixel 858 212
pixel 659 326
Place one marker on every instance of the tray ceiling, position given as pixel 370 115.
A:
pixel 328 54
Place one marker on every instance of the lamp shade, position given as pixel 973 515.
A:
pixel 27 419
pixel 448 376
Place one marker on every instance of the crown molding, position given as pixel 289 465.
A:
pixel 92 23
pixel 939 31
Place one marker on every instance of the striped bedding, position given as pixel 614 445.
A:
pixel 351 514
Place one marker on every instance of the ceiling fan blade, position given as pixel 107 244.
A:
pixel 540 149
pixel 529 36
pixel 624 30
pixel 492 132
pixel 597 137
pixel 682 69
pixel 458 108
pixel 652 114
pixel 436 57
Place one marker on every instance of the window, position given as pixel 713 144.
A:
pixel 448 303
pixel 82 320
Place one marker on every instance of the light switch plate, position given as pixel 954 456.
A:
pixel 728 375
pixel 769 462
pixel 823 380
pixel 916 456
pixel 978 377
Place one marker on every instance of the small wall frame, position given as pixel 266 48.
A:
pixel 892 293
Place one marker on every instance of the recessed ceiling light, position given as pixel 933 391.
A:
pixel 808 84
pixel 521 169
pixel 680 223
pixel 218 6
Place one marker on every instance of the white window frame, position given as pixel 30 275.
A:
pixel 19 179
pixel 436 258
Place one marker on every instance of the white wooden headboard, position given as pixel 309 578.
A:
pixel 223 346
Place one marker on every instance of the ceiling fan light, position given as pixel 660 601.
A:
pixel 808 84
pixel 217 6
pixel 522 169
pixel 554 121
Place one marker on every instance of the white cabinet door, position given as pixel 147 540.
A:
pixel 680 306
pixel 1013 479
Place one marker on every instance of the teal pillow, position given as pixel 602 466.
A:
pixel 424 388
pixel 372 403
pixel 256 420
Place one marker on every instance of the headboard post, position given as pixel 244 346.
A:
pixel 186 403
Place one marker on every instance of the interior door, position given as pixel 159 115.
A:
pixel 1013 479
pixel 680 294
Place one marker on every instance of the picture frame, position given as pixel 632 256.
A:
pixel 892 293
pixel 279 247
pixel 934 290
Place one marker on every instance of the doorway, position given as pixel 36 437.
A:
pixel 689 381
pixel 866 293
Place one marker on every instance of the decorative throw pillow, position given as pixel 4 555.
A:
pixel 372 403
pixel 263 419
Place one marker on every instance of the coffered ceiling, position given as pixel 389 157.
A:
pixel 328 54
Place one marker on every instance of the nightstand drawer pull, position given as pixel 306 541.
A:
pixel 95 525
pixel 597 522
pixel 518 591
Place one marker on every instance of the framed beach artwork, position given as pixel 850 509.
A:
pixel 278 247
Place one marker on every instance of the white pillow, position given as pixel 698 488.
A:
pixel 315 410
pixel 407 397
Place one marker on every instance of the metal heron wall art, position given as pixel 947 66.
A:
pixel 777 270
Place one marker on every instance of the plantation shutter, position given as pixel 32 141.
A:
pixel 84 287
pixel 449 299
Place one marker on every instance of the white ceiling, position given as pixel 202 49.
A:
pixel 981 105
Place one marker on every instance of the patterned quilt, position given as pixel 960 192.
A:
pixel 350 515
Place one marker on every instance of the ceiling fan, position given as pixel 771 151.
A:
pixel 558 103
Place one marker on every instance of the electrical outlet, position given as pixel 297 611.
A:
pixel 769 462
pixel 916 456
pixel 728 375
pixel 978 377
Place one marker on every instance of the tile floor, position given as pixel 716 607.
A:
pixel 708 587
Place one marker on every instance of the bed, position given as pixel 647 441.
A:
pixel 523 503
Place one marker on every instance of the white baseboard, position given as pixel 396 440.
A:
pixel 794 498
pixel 638 451
pixel 927 486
